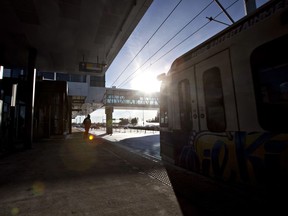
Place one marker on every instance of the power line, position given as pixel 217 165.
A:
pixel 147 41
pixel 126 80
pixel 192 34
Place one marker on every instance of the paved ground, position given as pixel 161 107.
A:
pixel 107 177
pixel 192 189
pixel 73 177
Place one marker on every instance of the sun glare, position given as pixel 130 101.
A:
pixel 146 82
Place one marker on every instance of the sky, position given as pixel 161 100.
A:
pixel 168 29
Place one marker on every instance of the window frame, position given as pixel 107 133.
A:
pixel 214 97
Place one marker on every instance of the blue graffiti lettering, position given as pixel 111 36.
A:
pixel 243 154
pixel 219 164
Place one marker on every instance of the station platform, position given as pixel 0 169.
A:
pixel 68 175
pixel 71 176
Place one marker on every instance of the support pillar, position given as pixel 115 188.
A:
pixel 30 95
pixel 109 120
pixel 69 119
pixel 12 129
pixel 69 114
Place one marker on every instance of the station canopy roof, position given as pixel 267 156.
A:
pixel 67 32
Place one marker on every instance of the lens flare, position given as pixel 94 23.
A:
pixel 15 211
pixel 38 188
pixel 91 137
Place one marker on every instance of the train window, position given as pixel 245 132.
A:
pixel 185 105
pixel 164 109
pixel 270 75
pixel 215 111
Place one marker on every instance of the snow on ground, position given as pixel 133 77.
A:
pixel 140 141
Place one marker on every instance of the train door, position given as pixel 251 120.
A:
pixel 185 121
pixel 215 90
pixel 184 101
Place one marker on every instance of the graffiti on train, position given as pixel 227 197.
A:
pixel 239 157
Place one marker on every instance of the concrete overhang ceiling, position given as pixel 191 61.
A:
pixel 66 32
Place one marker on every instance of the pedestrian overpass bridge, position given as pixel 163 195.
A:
pixel 86 99
pixel 130 99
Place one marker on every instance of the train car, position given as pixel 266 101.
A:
pixel 224 104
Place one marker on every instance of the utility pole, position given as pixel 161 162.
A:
pixel 224 10
pixel 250 6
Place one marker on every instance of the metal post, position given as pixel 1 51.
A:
pixel 250 6
pixel 31 78
pixel 224 10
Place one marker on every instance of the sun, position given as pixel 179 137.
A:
pixel 146 82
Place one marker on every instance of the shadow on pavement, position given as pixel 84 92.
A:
pixel 222 200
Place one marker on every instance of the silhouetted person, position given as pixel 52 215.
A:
pixel 87 125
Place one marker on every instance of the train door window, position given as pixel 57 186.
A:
pixel 213 94
pixel 164 108
pixel 269 65
pixel 185 105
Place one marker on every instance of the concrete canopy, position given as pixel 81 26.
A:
pixel 66 32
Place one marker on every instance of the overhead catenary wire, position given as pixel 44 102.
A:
pixel 124 82
pixel 129 77
pixel 147 41
pixel 169 40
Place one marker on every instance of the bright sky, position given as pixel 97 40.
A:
pixel 169 29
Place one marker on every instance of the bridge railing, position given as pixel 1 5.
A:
pixel 130 98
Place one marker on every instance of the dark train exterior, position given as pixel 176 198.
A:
pixel 224 104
